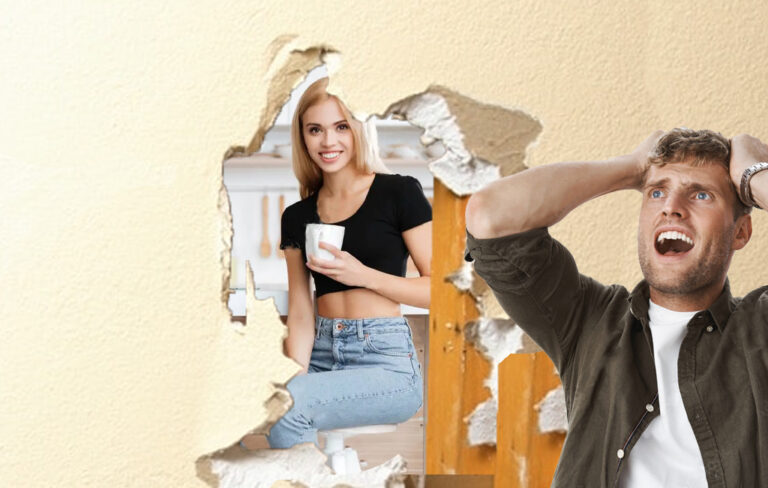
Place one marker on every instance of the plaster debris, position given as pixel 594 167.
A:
pixel 463 278
pixel 302 465
pixel 457 168
pixel 482 142
pixel 481 423
pixel 495 339
pixel 552 412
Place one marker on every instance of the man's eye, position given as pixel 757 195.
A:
pixel 657 194
pixel 702 195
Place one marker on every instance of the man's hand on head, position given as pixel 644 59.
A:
pixel 640 156
pixel 746 150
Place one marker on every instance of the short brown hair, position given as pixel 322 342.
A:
pixel 697 148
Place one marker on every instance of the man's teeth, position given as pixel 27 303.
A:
pixel 671 234
pixel 330 155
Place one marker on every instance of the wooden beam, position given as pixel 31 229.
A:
pixel 525 458
pixel 456 370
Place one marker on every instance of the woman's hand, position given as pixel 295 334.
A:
pixel 345 268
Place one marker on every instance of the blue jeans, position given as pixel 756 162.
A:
pixel 362 372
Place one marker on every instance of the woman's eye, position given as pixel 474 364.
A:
pixel 314 130
pixel 342 127
pixel 656 194
pixel 702 195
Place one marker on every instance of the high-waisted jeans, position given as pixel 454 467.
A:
pixel 362 372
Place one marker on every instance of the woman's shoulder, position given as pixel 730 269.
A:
pixel 395 181
pixel 303 208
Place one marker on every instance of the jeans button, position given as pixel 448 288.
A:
pixel 339 326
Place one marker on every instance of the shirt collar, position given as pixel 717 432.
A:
pixel 720 310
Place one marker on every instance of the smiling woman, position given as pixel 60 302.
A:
pixel 357 353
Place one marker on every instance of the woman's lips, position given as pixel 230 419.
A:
pixel 330 156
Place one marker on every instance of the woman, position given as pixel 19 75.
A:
pixel 358 351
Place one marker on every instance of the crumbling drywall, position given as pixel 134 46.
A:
pixel 301 466
pixel 482 142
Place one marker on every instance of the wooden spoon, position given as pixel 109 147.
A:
pixel 281 205
pixel 265 246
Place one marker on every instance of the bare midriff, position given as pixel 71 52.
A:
pixel 358 303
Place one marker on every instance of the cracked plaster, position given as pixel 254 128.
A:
pixel 301 466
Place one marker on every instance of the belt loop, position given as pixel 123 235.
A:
pixel 318 325
pixel 360 335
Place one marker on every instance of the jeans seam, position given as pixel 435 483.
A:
pixel 370 395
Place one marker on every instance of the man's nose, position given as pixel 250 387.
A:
pixel 675 205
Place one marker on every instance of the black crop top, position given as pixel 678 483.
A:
pixel 373 234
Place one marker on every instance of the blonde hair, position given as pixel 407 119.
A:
pixel 366 150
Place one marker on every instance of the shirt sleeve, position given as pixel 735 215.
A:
pixel 536 282
pixel 290 229
pixel 413 208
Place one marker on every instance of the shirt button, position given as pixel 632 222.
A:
pixel 620 453
pixel 649 407
pixel 710 328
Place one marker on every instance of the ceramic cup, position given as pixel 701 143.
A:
pixel 317 233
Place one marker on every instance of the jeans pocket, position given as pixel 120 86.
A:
pixel 389 343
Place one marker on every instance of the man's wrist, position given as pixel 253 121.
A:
pixel 745 185
pixel 759 189
pixel 635 172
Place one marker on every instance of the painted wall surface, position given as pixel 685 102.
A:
pixel 119 363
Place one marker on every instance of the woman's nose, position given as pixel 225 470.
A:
pixel 329 138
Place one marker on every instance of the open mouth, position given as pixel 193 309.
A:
pixel 673 243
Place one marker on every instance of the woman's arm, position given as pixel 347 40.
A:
pixel 301 315
pixel 409 291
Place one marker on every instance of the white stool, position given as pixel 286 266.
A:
pixel 344 460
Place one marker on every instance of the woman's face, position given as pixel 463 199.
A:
pixel 328 136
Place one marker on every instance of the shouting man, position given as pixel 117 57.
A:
pixel 667 385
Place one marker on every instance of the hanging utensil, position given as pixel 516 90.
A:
pixel 266 247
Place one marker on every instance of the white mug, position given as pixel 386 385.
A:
pixel 317 233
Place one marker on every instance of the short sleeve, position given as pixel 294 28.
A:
pixel 413 208
pixel 290 229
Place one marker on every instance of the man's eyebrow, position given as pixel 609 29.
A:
pixel 664 182
pixel 654 183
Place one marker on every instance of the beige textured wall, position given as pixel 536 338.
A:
pixel 119 364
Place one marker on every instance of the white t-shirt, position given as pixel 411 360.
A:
pixel 666 455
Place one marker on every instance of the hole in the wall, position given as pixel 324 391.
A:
pixel 260 183
pixel 463 143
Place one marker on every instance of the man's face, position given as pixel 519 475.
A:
pixel 687 232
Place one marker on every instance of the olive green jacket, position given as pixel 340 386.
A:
pixel 599 339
